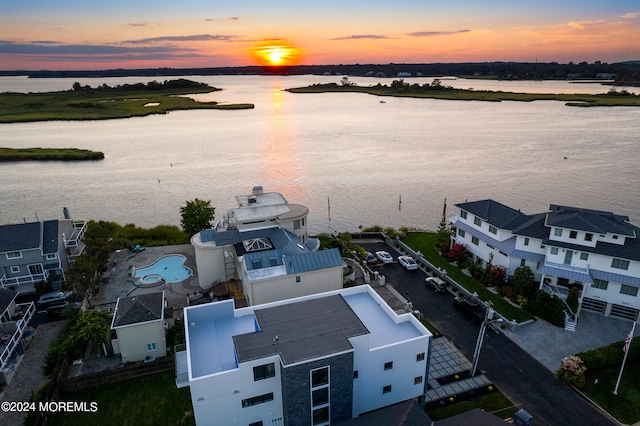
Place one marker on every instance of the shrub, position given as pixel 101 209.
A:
pixel 550 308
pixel 524 282
pixel 572 372
pixel 458 253
pixel 610 355
pixel 495 276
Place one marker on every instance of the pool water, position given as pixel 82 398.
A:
pixel 171 268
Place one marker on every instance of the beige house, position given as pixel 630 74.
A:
pixel 140 326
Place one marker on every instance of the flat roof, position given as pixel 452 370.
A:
pixel 220 336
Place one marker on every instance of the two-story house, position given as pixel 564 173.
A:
pixel 264 243
pixel 312 360
pixel 33 252
pixel 597 251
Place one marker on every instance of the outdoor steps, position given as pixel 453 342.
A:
pixel 456 388
pixel 570 325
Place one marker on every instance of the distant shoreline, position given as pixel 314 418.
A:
pixel 48 154
pixel 438 91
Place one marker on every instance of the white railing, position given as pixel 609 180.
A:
pixel 567 267
pixel 79 228
pixel 21 324
pixel 24 279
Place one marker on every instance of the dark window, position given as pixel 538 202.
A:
pixel 463 214
pixel 386 389
pixel 588 237
pixel 320 415
pixel 477 221
pixel 388 365
pixel 256 263
pixel 320 396
pixel 256 423
pixel 257 400
pixel 355 374
pixel 523 262
pixel 264 372
pixel 573 234
pixel 417 380
pixel 620 264
pixel 298 279
pixel 420 357
pixel 526 241
pixel 320 377
pixel 273 261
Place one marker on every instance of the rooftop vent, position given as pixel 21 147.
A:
pixel 252 200
pixel 257 190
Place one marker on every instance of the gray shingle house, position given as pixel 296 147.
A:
pixel 38 251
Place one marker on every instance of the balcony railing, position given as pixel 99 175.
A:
pixel 28 309
pixel 567 267
pixel 24 279
pixel 79 228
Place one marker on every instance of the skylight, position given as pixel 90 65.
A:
pixel 257 244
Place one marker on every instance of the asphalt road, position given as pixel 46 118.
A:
pixel 526 382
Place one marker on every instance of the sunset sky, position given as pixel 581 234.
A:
pixel 73 34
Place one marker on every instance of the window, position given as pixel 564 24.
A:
pixel 298 278
pixel 273 261
pixel 14 255
pixel 523 262
pixel 302 221
pixel 35 269
pixel 296 224
pixel 53 256
pixel 554 250
pixel 477 221
pixel 417 380
pixel 615 237
pixel 542 246
pixel 258 423
pixel 355 374
pixel 557 232
pixel 620 264
pixel 588 237
pixel 257 400
pixel 573 234
pixel 15 269
pixel 321 416
pixel 463 214
pixel 601 284
pixel 490 246
pixel 388 365
pixel 386 389
pixel 628 290
pixel 420 357
pixel 493 229
pixel 584 256
pixel 319 377
pixel 526 241
pixel 152 346
pixel 256 263
pixel 475 240
pixel 461 232
pixel 503 253
pixel 320 396
pixel 262 372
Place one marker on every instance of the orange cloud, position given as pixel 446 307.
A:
pixel 275 53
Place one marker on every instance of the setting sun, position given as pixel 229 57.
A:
pixel 276 54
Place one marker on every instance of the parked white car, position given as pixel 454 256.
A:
pixel 408 263
pixel 384 256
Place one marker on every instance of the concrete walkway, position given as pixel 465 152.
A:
pixel 550 344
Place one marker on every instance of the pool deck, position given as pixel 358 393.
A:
pixel 117 281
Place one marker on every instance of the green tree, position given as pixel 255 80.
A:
pixel 524 281
pixel 196 216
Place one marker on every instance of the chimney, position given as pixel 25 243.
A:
pixel 257 190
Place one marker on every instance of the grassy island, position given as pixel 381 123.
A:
pixel 48 154
pixel 436 90
pixel 105 102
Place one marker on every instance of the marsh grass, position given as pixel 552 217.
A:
pixel 48 154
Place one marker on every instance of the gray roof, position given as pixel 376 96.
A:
pixel 533 227
pixel 596 221
pixel 406 413
pixel 22 236
pixel 495 213
pixel 630 250
pixel 138 309
pixel 6 297
pixel 476 417
pixel 50 236
pixel 301 331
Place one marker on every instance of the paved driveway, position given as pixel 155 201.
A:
pixel 522 378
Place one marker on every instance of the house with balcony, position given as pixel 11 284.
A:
pixel 596 251
pixel 33 252
pixel 264 244
pixel 314 360
pixel 14 319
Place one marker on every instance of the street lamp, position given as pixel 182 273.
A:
pixel 488 319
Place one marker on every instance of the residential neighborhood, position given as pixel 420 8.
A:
pixel 278 329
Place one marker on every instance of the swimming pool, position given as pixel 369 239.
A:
pixel 171 268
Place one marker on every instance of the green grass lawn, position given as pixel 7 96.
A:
pixel 425 243
pixel 626 405
pixel 148 400
pixel 494 402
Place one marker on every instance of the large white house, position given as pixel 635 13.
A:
pixel 264 243
pixel 312 360
pixel 597 251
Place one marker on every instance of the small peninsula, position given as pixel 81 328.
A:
pixel 105 102
pixel 48 154
pixel 436 90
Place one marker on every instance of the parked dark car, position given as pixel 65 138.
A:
pixel 471 308
pixel 436 284
pixel 370 259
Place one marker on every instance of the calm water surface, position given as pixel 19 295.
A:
pixel 349 148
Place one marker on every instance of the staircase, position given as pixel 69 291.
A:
pixel 569 322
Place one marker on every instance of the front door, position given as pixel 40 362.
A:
pixel 568 255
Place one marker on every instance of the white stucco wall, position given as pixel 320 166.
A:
pixel 133 340
pixel 209 262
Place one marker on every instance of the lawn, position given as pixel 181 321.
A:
pixel 148 400
pixel 425 243
pixel 626 405
pixel 494 402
